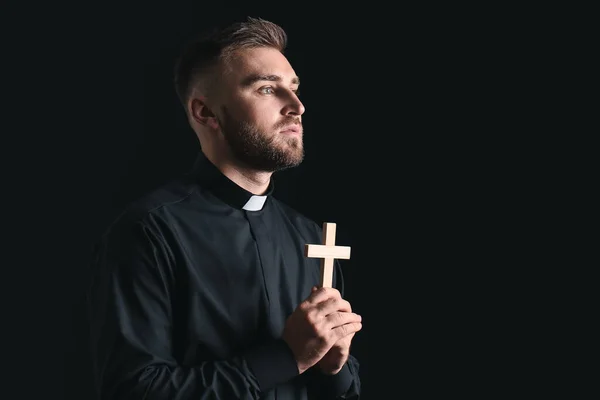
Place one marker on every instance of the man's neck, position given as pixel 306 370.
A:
pixel 256 182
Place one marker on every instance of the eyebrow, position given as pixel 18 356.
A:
pixel 250 80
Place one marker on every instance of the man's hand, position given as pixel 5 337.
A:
pixel 333 361
pixel 318 324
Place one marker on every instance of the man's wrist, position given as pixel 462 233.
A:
pixel 335 385
pixel 328 370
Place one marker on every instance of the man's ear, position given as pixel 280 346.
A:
pixel 201 113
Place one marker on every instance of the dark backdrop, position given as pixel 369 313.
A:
pixel 406 122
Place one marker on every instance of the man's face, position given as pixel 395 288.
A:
pixel 260 117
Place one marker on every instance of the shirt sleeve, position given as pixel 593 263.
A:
pixel 131 323
pixel 345 385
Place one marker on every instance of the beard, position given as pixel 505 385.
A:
pixel 258 149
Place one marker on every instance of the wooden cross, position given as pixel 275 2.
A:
pixel 327 252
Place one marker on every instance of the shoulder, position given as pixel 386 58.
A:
pixel 168 196
pixel 299 219
pixel 149 211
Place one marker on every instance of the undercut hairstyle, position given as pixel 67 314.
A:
pixel 198 64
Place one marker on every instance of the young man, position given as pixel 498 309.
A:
pixel 201 288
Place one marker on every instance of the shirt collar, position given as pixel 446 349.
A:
pixel 210 177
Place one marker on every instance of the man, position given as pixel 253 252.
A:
pixel 201 288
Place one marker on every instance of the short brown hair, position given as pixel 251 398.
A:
pixel 202 55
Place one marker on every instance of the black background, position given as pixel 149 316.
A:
pixel 411 149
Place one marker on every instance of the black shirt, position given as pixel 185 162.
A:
pixel 192 286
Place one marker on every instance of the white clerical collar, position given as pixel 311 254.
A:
pixel 255 203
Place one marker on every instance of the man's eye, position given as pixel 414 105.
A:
pixel 267 90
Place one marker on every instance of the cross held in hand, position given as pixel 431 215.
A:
pixel 327 252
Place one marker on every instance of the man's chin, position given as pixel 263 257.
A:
pixel 294 155
pixel 273 164
pixel 290 161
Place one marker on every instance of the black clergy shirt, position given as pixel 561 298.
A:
pixel 191 289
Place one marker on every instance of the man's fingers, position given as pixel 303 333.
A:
pixel 346 329
pixel 337 319
pixel 336 304
pixel 332 305
pixel 322 294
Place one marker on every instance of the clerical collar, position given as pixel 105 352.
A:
pixel 225 189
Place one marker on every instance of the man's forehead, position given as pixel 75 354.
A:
pixel 250 65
